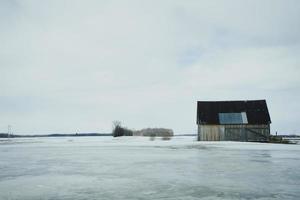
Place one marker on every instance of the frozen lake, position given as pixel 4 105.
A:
pixel 76 168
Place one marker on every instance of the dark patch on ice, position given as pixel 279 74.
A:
pixel 9 142
pixel 202 147
pixel 260 161
pixel 196 146
pixel 208 192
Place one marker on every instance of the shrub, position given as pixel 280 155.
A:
pixel 118 130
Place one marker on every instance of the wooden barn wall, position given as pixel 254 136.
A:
pixel 211 132
pixel 233 132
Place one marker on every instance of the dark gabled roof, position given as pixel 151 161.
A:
pixel 256 110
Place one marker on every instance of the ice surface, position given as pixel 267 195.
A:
pixel 137 168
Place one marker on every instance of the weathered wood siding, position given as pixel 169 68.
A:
pixel 211 132
pixel 241 132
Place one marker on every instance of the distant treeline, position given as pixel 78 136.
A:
pixel 5 135
pixel 119 130
pixel 289 136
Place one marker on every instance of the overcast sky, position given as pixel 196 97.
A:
pixel 75 66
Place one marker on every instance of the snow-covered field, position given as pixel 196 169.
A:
pixel 136 168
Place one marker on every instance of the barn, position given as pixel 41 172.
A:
pixel 233 120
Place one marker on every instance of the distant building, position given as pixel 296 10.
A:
pixel 233 120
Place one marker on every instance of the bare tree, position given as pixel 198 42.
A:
pixel 118 130
pixel 116 123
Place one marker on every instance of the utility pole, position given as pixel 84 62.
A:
pixel 8 131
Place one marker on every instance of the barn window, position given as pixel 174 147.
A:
pixel 233 118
